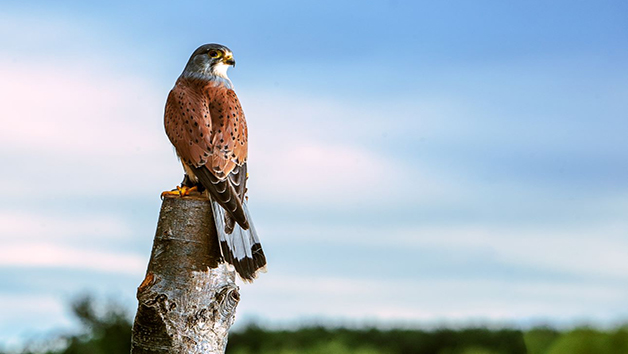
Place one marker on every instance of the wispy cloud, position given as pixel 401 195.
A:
pixel 578 252
pixel 428 301
pixel 18 226
pixel 40 254
pixel 70 133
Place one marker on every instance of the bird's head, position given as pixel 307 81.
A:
pixel 210 60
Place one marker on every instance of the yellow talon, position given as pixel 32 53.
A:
pixel 173 192
pixel 182 191
pixel 185 191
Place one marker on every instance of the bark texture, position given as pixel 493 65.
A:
pixel 188 299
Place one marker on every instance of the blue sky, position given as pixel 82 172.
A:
pixel 411 162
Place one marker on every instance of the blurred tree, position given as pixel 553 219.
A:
pixel 538 340
pixel 591 341
pixel 314 339
pixel 475 350
pixel 579 341
pixel 618 341
pixel 104 332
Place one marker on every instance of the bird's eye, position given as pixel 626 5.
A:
pixel 214 53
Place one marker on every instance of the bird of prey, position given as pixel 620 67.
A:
pixel 205 123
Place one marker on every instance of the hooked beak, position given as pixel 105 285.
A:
pixel 229 61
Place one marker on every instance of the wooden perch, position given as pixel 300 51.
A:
pixel 188 299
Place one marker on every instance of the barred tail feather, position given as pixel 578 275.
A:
pixel 240 247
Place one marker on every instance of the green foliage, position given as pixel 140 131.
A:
pixel 473 350
pixel 538 340
pixel 106 333
pixel 591 341
pixel 341 340
pixel 325 347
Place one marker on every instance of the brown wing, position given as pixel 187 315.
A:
pixel 188 125
pixel 206 125
pixel 229 133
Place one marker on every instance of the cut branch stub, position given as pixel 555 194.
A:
pixel 188 298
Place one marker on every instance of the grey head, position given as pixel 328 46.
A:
pixel 210 61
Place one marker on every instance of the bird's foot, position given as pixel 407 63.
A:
pixel 182 191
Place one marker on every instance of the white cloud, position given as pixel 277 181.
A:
pixel 40 254
pixel 14 306
pixel 595 250
pixel 428 301
pixel 19 225
pixel 313 172
pixel 49 240
pixel 78 133
pixel 313 150
pixel 56 110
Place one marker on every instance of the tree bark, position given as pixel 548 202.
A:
pixel 188 298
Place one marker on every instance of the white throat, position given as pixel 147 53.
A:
pixel 220 69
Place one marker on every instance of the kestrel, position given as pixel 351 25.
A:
pixel 205 123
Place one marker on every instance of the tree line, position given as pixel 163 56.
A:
pixel 109 332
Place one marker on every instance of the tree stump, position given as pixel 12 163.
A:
pixel 188 298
